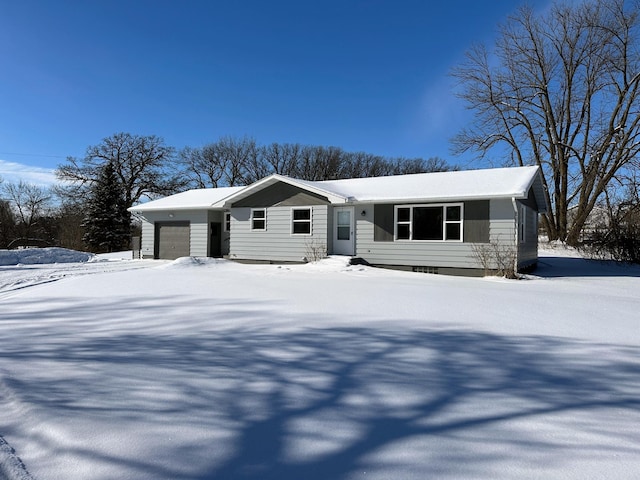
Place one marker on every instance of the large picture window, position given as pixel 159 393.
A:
pixel 258 219
pixel 301 221
pixel 429 222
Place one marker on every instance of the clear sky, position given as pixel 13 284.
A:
pixel 364 75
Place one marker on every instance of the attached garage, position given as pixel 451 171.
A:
pixel 172 240
pixel 188 224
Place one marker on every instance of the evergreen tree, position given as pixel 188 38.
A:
pixel 107 221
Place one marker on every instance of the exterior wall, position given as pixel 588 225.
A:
pixel 199 230
pixel 503 227
pixel 147 243
pixel 502 224
pixel 502 230
pixel 329 232
pixel 409 253
pixel 217 216
pixel 199 233
pixel 276 243
pixel 528 247
pixel 446 255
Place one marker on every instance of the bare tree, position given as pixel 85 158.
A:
pixel 143 165
pixel 283 159
pixel 203 166
pixel 30 204
pixel 560 91
pixel 240 161
pixel 239 155
pixel 7 224
pixel 68 217
pixel 226 162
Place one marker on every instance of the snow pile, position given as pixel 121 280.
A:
pixel 185 262
pixel 38 256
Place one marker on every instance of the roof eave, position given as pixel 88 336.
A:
pixel 458 198
pixel 140 209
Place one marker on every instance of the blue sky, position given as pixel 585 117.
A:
pixel 363 75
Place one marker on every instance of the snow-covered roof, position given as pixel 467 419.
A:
pixel 437 186
pixel 201 198
pixel 421 187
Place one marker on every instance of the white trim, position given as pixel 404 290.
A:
pixel 445 222
pixel 522 224
pixel 263 218
pixel 344 247
pixel 309 221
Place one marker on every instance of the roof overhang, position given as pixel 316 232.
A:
pixel 186 201
pixel 537 186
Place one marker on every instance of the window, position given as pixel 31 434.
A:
pixel 258 219
pixel 522 224
pixel 227 221
pixel 429 222
pixel 301 221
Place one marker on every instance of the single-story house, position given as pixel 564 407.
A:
pixel 432 222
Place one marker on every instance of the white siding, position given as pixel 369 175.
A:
pixel 147 243
pixel 276 243
pixel 199 233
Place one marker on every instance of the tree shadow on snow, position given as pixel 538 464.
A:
pixel 323 403
pixel 555 267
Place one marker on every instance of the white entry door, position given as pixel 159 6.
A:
pixel 343 231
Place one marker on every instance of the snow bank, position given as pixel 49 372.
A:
pixel 33 256
pixel 184 262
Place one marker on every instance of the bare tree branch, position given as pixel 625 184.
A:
pixel 561 90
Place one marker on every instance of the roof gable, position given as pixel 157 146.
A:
pixel 280 194
pixel 330 196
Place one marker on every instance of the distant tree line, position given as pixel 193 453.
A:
pixel 87 209
pixel 240 161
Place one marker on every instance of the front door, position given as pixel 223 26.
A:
pixel 343 231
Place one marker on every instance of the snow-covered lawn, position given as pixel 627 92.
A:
pixel 207 369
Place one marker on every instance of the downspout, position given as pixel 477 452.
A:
pixel 517 234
